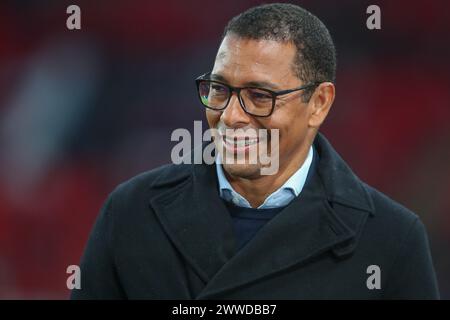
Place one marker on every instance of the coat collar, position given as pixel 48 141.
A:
pixel 328 215
pixel 335 174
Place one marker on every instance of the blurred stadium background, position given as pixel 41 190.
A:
pixel 81 111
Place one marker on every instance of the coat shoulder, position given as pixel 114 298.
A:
pixel 399 240
pixel 389 211
pixel 143 183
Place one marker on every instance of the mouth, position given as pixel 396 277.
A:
pixel 236 144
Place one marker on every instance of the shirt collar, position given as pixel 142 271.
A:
pixel 279 198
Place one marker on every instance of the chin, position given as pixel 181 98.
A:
pixel 247 171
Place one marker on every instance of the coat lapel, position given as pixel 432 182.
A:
pixel 196 220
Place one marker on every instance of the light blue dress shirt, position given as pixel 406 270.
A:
pixel 279 198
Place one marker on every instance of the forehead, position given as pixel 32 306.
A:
pixel 239 60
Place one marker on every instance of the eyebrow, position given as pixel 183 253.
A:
pixel 259 84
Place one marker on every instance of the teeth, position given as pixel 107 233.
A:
pixel 241 142
pixel 251 141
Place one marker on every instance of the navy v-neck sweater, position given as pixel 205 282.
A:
pixel 248 221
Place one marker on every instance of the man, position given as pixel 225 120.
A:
pixel 311 230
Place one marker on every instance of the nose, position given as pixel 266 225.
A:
pixel 234 116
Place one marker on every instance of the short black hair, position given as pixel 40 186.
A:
pixel 315 59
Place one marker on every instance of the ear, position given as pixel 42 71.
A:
pixel 320 103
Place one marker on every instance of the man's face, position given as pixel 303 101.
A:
pixel 266 64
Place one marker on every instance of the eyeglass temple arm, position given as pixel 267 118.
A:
pixel 283 92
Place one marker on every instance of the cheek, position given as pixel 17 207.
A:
pixel 292 127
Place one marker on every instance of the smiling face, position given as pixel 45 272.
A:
pixel 267 64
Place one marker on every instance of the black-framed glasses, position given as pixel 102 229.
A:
pixel 259 102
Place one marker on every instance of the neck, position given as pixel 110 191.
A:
pixel 258 189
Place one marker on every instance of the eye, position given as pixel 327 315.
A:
pixel 218 88
pixel 259 95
